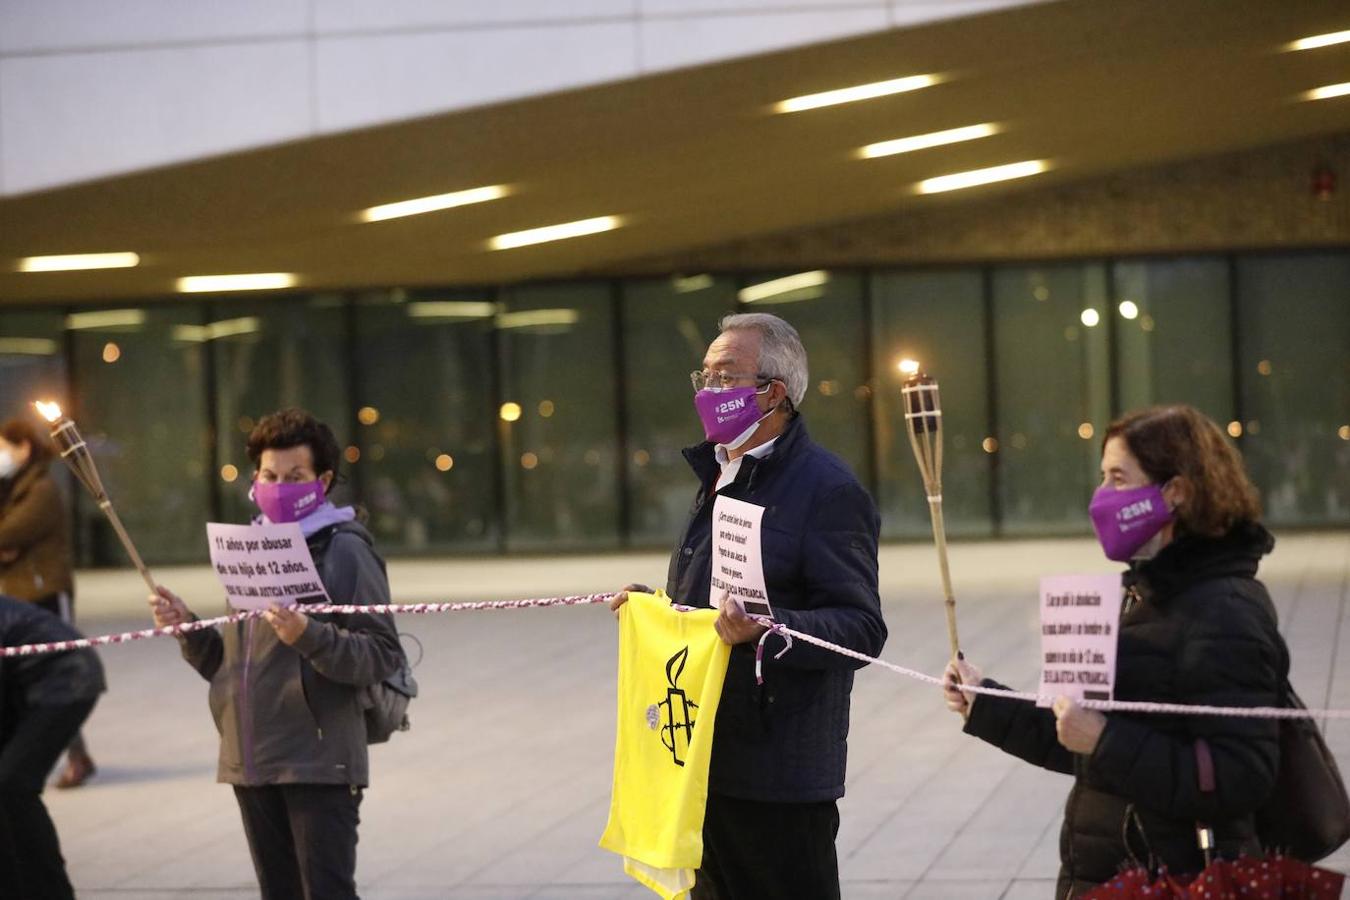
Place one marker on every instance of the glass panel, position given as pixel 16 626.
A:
pixel 268 355
pixel 558 419
pixel 936 318
pixel 1294 358
pixel 428 463
pixel 1053 393
pixel 668 324
pixel 139 378
pixel 33 367
pixel 829 318
pixel 1174 334
pixel 32 364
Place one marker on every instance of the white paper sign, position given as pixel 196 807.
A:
pixel 1080 618
pixel 264 565
pixel 737 567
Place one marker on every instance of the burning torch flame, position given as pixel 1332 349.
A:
pixel 909 367
pixel 48 410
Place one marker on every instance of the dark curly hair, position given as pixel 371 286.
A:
pixel 295 427
pixel 1179 440
pixel 22 431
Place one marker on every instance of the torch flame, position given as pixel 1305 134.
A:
pixel 48 410
pixel 909 367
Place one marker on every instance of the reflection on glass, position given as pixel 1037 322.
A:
pixel 32 365
pixel 269 355
pixel 562 471
pixel 1294 328
pixel 145 420
pixel 828 314
pixel 1177 347
pixel 1051 379
pixel 425 447
pixel 668 324
pixel 934 319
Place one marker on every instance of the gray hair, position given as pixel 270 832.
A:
pixel 781 354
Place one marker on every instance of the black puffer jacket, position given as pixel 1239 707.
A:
pixel 1197 628
pixel 47 679
pixel 787 742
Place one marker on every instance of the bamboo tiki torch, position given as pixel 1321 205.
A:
pixel 76 455
pixel 923 420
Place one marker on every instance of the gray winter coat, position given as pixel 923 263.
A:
pixel 293 715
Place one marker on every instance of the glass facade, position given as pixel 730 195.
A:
pixel 139 394
pixel 422 445
pixel 548 417
pixel 939 319
pixel 1293 376
pixel 668 323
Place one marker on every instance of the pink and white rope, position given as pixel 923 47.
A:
pixel 344 609
pixel 788 634
pixel 1134 706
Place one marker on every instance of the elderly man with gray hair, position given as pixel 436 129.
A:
pixel 779 748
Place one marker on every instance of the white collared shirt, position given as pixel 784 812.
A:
pixel 731 467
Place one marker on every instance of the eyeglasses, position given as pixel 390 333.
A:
pixel 720 381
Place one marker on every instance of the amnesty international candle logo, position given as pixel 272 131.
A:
pixel 671 669
pixel 673 716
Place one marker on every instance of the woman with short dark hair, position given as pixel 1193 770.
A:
pixel 35 560
pixel 286 690
pixel 1196 627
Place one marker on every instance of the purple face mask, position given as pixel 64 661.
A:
pixel 1127 519
pixel 282 502
pixel 726 414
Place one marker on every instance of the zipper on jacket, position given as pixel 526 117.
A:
pixel 245 712
pixel 309 707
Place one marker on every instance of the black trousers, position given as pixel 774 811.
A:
pixel 768 851
pixel 31 741
pixel 303 839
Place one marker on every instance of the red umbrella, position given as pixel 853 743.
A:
pixel 1276 878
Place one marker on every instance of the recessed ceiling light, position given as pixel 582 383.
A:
pixel 1319 40
pixel 1327 91
pixel 857 92
pixel 77 261
pixel 958 180
pixel 924 141
pixel 419 205
pixel 257 281
pixel 554 232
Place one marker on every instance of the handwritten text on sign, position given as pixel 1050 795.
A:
pixel 1080 616
pixel 737 567
pixel 264 565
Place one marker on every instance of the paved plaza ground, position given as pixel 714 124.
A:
pixel 501 789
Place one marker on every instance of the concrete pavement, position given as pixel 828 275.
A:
pixel 502 787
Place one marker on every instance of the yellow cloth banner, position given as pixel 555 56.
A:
pixel 671 667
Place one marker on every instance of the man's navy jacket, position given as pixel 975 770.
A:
pixel 787 741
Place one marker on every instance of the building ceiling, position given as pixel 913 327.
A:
pixel 697 157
